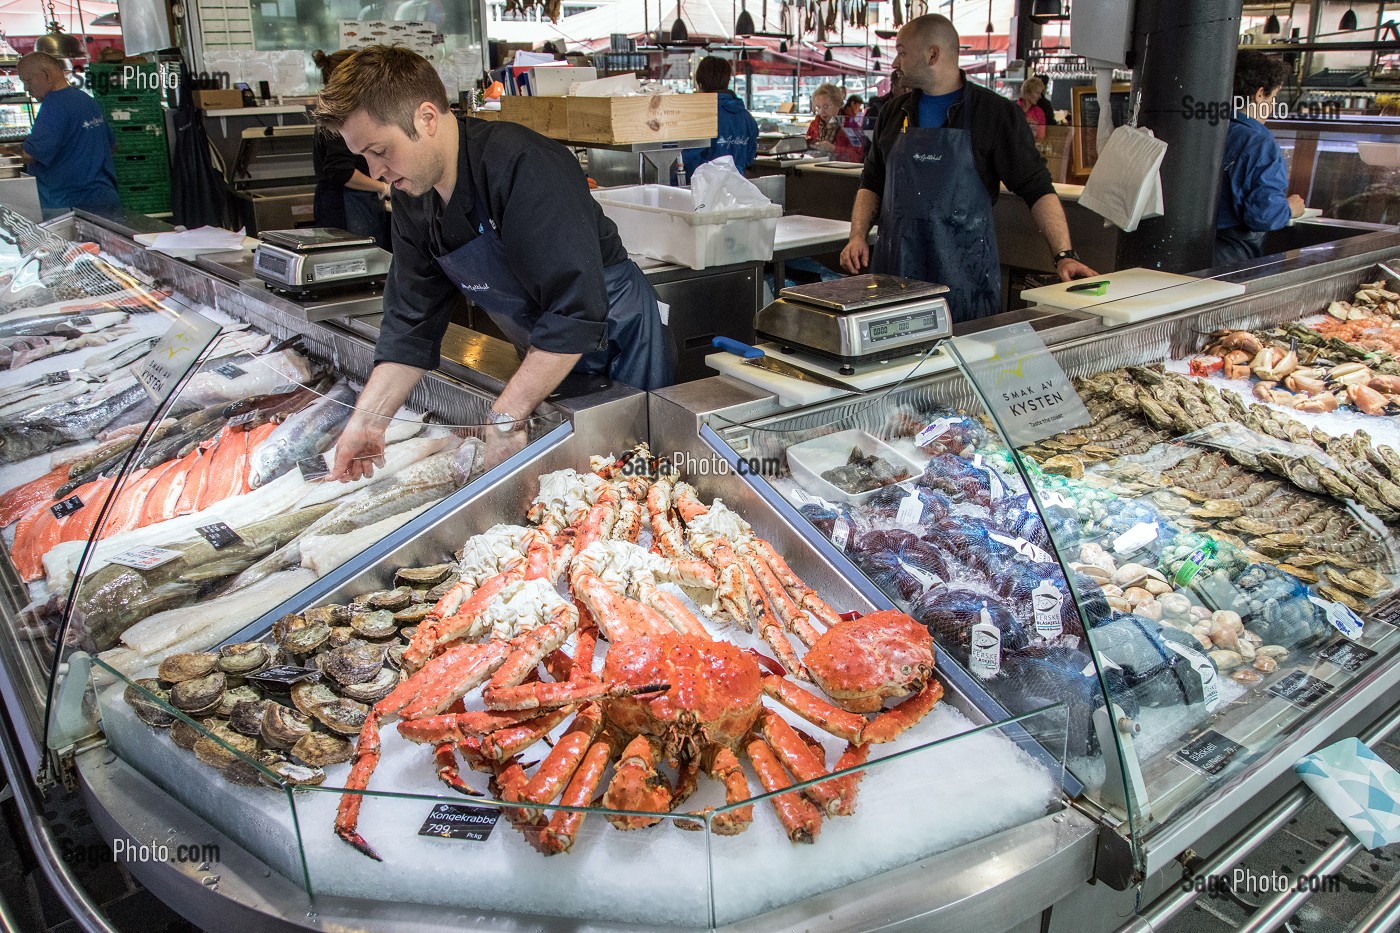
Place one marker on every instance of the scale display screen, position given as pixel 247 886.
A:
pixel 902 326
pixel 277 265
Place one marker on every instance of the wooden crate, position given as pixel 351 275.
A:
pixel 643 119
pixel 548 116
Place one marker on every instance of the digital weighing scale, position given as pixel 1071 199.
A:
pixel 858 320
pixel 316 261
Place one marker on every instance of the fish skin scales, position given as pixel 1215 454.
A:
pixel 255 439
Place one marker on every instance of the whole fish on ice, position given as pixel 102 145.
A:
pixel 308 432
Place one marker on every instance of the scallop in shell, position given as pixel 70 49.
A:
pixel 377 624
pixel 320 750
pixel 188 666
pixel 198 696
pixel 307 638
pixel 353 664
pixel 372 691
pixel 147 710
pixel 343 716
pixel 244 658
pixel 247 716
pixel 282 726
pixel 423 577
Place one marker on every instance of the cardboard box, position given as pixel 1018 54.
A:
pixel 218 100
pixel 617 120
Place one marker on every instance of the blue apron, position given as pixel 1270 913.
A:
pixel 639 352
pixel 936 219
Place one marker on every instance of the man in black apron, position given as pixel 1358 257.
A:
pixel 934 171
pixel 504 216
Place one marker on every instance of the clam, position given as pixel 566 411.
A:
pixel 413 614
pixel 328 615
pixel 1156 587
pixel 307 696
pixel 1265 664
pixel 1097 574
pixel 282 726
pixel 1226 660
pixel 291 772
pixel 307 638
pixel 320 750
pixel 353 664
pixel 392 600
pixel 244 658
pixel 1246 676
pixel 185 735
pixel 1135 595
pixel 217 748
pixel 1129 574
pixel 423 577
pixel 146 709
pixel 247 716
pixel 1175 605
pixel 1149 609
pixel 198 696
pixel 377 624
pixel 343 716
pixel 372 691
pixel 189 666
pixel 233 696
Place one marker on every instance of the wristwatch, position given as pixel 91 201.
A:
pixel 1064 254
pixel 503 422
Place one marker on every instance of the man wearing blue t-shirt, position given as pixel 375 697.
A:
pixel 934 171
pixel 69 149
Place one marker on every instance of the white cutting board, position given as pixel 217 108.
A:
pixel 1135 294
pixel 797 392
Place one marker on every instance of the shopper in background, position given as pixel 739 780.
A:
pixel 737 133
pixel 855 106
pixel 896 88
pixel 346 197
pixel 500 214
pixel 1044 103
pixel 1254 196
pixel 829 131
pixel 69 149
pixel 1032 91
pixel 940 155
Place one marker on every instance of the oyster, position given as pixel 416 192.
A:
pixel 439 591
pixel 343 716
pixel 306 639
pixel 307 696
pixel 198 696
pixel 394 656
pixel 423 577
pixel 247 716
pixel 242 772
pixel 185 735
pixel 320 750
pixel 392 600
pixel 377 624
pixel 328 615
pixel 245 658
pixel 341 635
pixel 148 711
pixel 286 625
pixel 413 614
pixel 353 664
pixel 217 748
pixel 189 666
pixel 233 697
pixel 289 771
pixel 282 726
pixel 372 691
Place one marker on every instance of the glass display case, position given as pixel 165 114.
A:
pixel 1347 166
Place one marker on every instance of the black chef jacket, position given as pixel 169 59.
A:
pixel 556 237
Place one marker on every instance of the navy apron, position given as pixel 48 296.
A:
pixel 639 352
pixel 365 215
pixel 936 219
pixel 1234 245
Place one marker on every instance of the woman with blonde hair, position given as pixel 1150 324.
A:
pixel 832 133
pixel 1032 90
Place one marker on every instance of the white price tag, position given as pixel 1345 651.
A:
pixel 840 534
pixel 932 431
pixel 1046 600
pixel 1051 499
pixel 927 578
pixel 977 461
pixel 145 558
pixel 911 509
pixel 1341 617
pixel 1136 538
pixel 1023 547
pixel 801 497
pixel 995 486
pixel 1204 668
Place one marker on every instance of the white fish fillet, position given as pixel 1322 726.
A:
pixel 156 637
pixel 324 553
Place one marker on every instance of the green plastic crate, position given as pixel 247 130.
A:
pixel 146 199
pixel 143 168
pixel 136 138
pixel 131 108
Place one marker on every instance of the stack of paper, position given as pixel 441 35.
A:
pixel 190 243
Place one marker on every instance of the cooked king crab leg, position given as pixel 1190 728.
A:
pixel 854 728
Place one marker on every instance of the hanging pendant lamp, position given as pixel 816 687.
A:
pixel 58 43
pixel 1348 22
pixel 1271 25
pixel 743 26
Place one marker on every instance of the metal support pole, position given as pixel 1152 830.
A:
pixel 1384 916
pixel 1185 55
pixel 1276 912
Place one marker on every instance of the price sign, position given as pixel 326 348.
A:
pixel 841 533
pixel 230 371
pixel 219 535
pixel 1135 538
pixel 285 675
pixel 1387 611
pixel 1347 655
pixel 932 431
pixel 460 821
pixel 145 558
pixel 1031 396
pixel 67 507
pixel 242 419
pixel 1300 689
pixel 53 379
pixel 81 320
pixel 313 468
pixel 911 509
pixel 1025 548
pixel 285 388
pixel 175 352
pixel 1209 752
pixel 1342 618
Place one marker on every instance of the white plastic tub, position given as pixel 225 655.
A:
pixel 659 222
pixel 810 459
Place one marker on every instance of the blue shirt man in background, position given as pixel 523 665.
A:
pixel 737 131
pixel 1254 195
pixel 69 149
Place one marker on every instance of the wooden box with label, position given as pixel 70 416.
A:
pixel 617 120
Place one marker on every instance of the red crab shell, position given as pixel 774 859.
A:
pixel 715 696
pixel 860 663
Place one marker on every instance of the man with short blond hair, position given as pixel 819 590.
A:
pixel 69 149
pixel 502 215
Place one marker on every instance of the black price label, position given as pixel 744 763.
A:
pixel 1347 655
pixel 219 535
pixel 285 675
pixel 1387 611
pixel 1209 752
pixel 67 507
pixel 242 419
pixel 313 468
pixel 81 320
pixel 460 821
pixel 1300 689
pixel 229 371
pixel 53 379
pixel 285 388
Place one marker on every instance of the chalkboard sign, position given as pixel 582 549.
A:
pixel 1084 115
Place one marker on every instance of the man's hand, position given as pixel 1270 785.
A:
pixel 502 445
pixel 1070 269
pixel 856 255
pixel 1296 205
pixel 360 448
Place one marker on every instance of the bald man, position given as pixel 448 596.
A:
pixel 940 154
pixel 69 149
